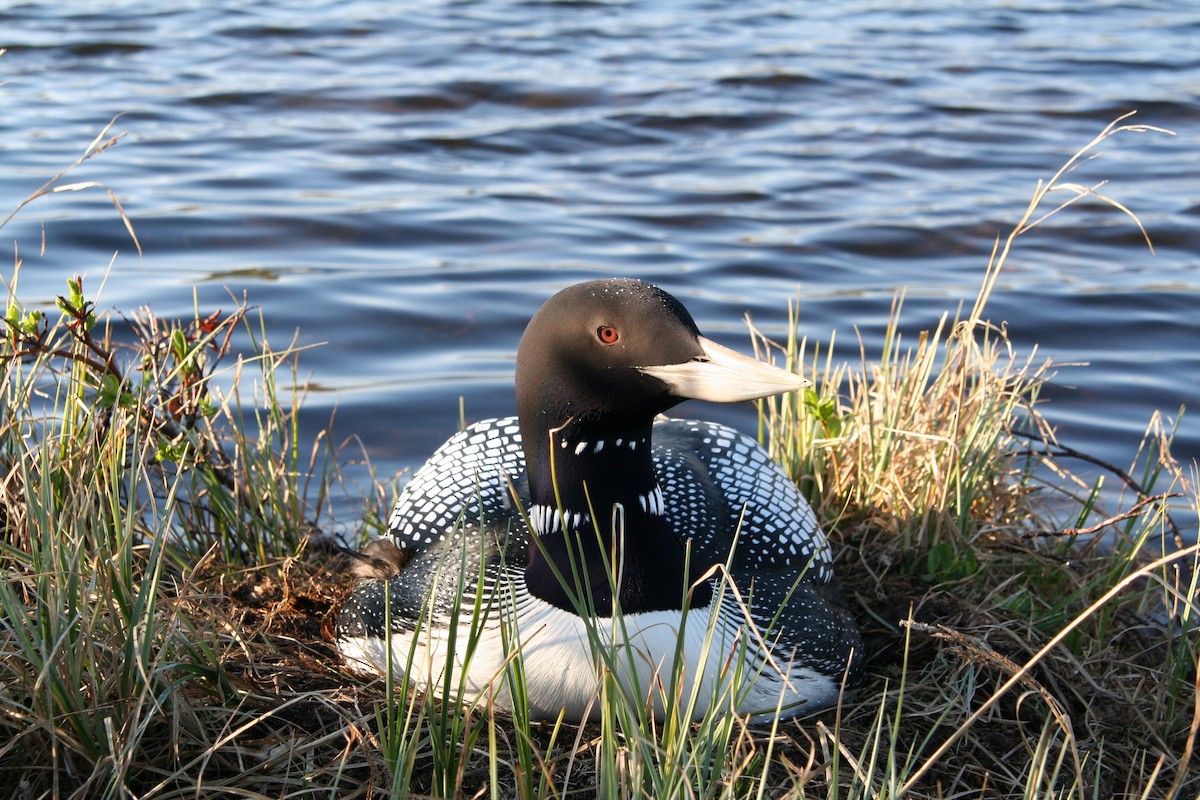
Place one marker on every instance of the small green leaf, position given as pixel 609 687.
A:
pixel 944 563
pixel 179 345
pixel 824 409
pixel 76 291
pixel 112 393
pixel 167 451
pixel 31 322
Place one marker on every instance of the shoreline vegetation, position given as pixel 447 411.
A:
pixel 168 597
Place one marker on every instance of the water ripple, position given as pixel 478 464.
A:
pixel 407 187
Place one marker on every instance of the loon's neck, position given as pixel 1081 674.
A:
pixel 596 502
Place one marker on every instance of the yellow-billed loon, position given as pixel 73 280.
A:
pixel 537 518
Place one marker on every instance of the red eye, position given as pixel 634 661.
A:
pixel 608 334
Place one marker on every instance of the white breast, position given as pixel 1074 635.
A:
pixel 565 658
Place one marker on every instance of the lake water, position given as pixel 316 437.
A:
pixel 405 183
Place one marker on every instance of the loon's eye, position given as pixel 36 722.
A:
pixel 608 334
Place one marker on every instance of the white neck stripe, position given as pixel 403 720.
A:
pixel 548 519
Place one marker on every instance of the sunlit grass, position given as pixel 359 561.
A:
pixel 167 604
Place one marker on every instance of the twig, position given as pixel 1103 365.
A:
pixel 982 653
pixel 1064 451
pixel 91 364
pixel 1134 511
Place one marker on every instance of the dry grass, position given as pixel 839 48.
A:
pixel 166 625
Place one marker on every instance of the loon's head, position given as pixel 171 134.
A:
pixel 597 362
pixel 614 353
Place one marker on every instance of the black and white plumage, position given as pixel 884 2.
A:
pixel 503 518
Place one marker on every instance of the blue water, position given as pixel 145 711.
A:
pixel 403 184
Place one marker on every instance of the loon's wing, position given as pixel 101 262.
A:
pixel 717 482
pixel 464 485
pixel 455 518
